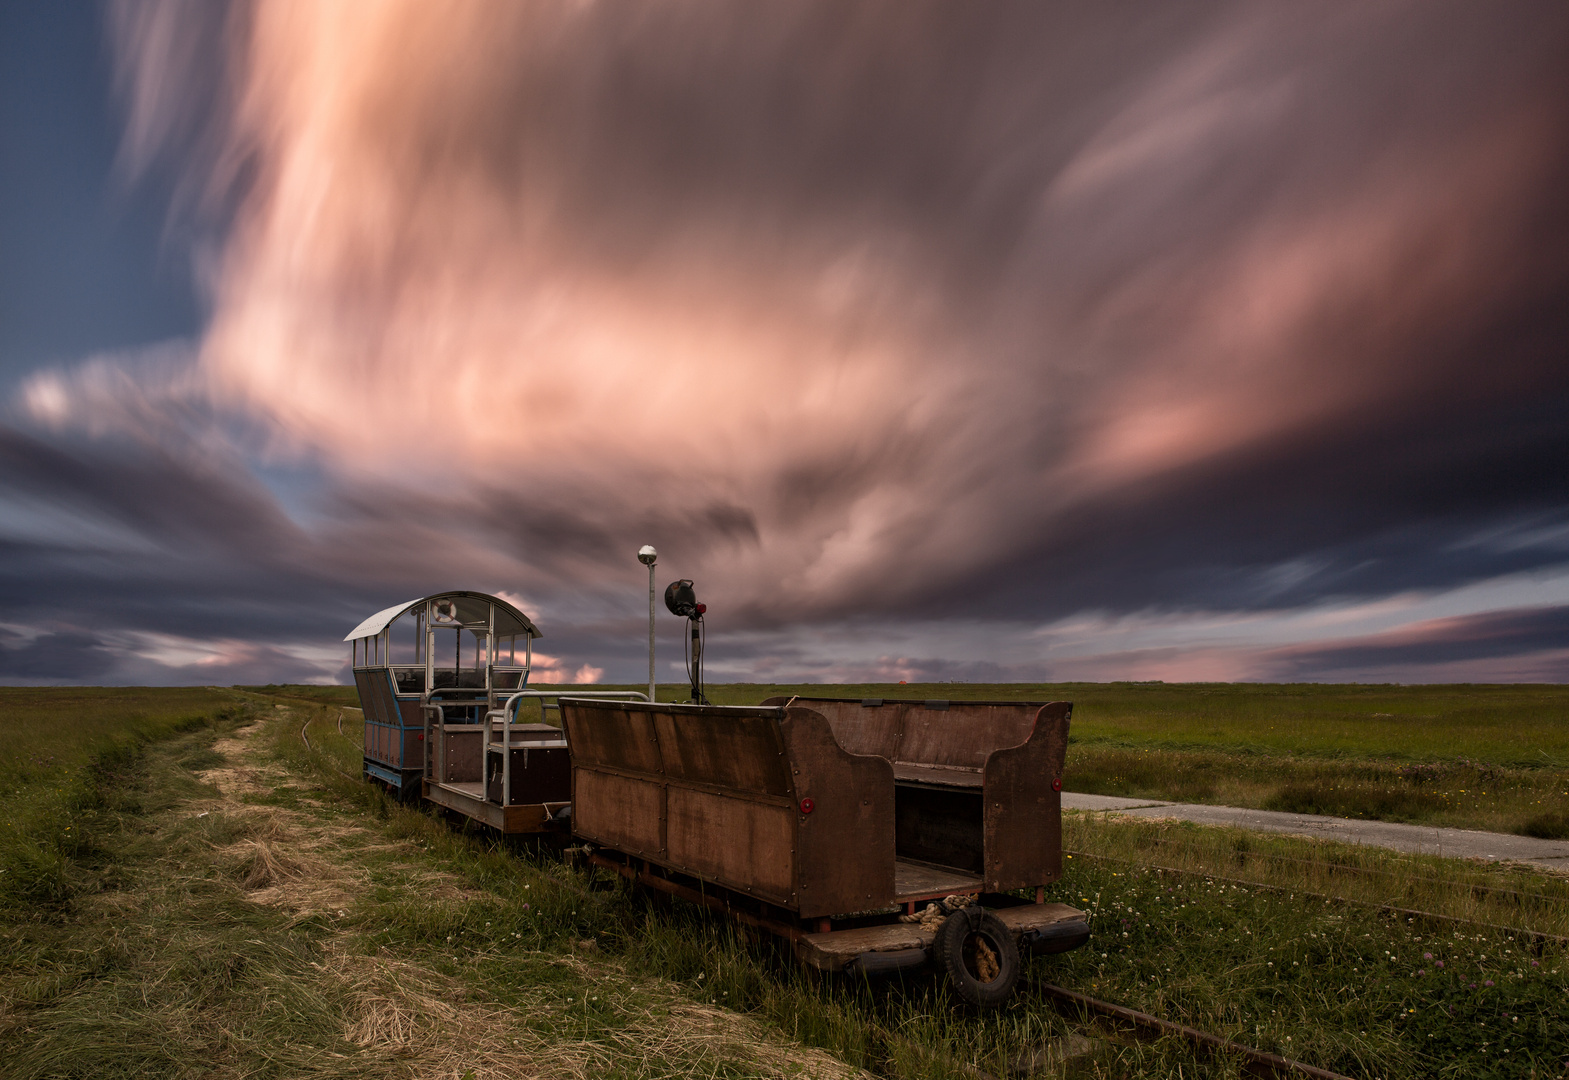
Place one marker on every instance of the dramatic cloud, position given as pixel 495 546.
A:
pixel 1010 315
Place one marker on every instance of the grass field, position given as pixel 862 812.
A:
pixel 56 745
pixel 247 907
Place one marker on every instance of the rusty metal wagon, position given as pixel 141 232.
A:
pixel 838 823
pixel 441 681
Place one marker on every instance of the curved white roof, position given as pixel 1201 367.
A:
pixel 384 618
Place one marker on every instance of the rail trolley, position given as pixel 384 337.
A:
pixel 441 681
pixel 834 822
pixel 873 835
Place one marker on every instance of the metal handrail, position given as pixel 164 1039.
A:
pixel 512 702
pixel 438 753
pixel 508 715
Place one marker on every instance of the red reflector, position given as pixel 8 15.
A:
pixel 807 806
pixel 1056 783
pixel 422 736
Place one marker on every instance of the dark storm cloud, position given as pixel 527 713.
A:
pixel 1005 313
pixel 1220 306
pixel 1494 635
pixel 67 656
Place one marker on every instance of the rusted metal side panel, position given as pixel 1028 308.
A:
pixel 618 738
pixel 964 733
pixel 845 845
pixel 945 827
pixel 738 751
pixel 1023 812
pixel 694 789
pixel 618 811
pixel 858 728
pixel 736 841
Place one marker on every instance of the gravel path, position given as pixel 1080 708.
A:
pixel 1421 839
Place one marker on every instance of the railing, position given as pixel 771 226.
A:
pixel 435 750
pixel 507 715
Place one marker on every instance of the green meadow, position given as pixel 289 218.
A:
pixel 193 891
pixel 56 746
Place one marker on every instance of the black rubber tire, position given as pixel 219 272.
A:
pixel 955 952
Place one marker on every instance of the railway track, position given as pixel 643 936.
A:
pixel 1089 1009
pixel 306 739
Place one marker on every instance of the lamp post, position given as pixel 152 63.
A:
pixel 646 555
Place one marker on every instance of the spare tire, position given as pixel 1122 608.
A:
pixel 979 954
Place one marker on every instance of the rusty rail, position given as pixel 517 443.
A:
pixel 1144 1023
pixel 306 739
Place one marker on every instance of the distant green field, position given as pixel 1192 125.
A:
pixel 52 733
pixel 55 744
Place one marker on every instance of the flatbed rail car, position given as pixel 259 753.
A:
pixel 440 681
pixel 835 822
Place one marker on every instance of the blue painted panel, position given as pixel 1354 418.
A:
pixel 383 773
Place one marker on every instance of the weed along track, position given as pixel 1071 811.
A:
pixel 1535 937
pixel 1340 868
pixel 1154 1027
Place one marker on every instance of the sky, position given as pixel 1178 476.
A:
pixel 1008 342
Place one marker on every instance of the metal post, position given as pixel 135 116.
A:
pixel 650 631
pixel 647 555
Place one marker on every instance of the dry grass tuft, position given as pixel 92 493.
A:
pixel 429 1023
pixel 269 866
